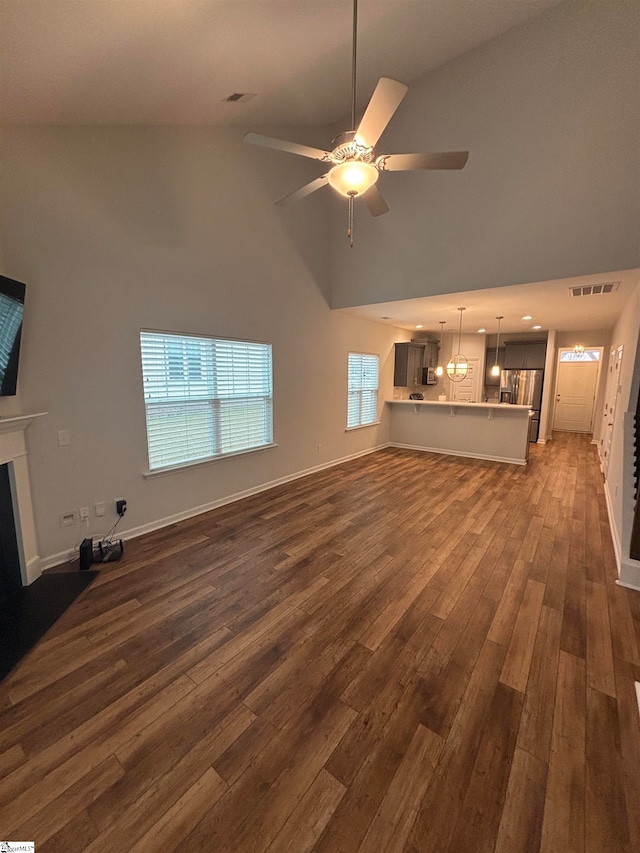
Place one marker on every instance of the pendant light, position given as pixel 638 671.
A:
pixel 458 365
pixel 495 370
pixel 440 368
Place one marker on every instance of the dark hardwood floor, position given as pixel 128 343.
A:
pixel 408 652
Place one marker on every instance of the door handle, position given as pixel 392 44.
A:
pixel 611 424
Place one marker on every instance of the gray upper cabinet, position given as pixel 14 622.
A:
pixel 410 358
pixel 514 357
pixel 534 356
pixel 431 354
pixel 525 356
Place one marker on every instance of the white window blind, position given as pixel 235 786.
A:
pixel 204 397
pixel 363 389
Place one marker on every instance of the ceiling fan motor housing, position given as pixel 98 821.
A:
pixel 344 147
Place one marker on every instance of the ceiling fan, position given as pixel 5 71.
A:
pixel 355 165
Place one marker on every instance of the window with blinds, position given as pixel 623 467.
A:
pixel 204 397
pixel 362 405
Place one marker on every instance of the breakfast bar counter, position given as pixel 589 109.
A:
pixel 496 431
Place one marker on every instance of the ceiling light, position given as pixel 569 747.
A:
pixel 536 327
pixel 440 368
pixel 355 164
pixel 458 365
pixel 481 330
pixel 527 317
pixel 419 326
pixel 353 178
pixel 495 370
pixel 579 349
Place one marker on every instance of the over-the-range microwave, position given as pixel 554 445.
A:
pixel 429 376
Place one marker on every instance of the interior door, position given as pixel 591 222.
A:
pixel 576 389
pixel 609 412
pixel 468 389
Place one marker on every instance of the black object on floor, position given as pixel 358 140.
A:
pixel 31 611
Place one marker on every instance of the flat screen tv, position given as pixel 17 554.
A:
pixel 11 313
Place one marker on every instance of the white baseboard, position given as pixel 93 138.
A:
pixel 133 532
pixel 628 570
pixel 614 533
pixel 458 453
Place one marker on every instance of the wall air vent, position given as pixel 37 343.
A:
pixel 236 97
pixel 594 289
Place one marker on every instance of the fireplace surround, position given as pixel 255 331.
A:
pixel 13 453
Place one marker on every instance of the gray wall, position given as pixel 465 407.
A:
pixel 114 229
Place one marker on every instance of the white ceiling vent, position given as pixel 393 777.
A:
pixel 594 289
pixel 238 97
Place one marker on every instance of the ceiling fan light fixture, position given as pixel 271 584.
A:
pixel 353 178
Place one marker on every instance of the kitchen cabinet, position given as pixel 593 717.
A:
pixel 534 356
pixel 490 360
pixel 409 360
pixel 525 356
pixel 431 351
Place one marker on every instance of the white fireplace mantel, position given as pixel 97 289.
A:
pixel 13 423
pixel 13 450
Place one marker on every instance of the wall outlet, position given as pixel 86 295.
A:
pixel 100 509
pixel 64 437
pixel 68 518
pixel 319 448
pixel 84 513
pixel 121 507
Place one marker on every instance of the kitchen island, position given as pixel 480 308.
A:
pixel 496 431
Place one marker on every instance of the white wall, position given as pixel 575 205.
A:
pixel 619 485
pixel 549 113
pixel 114 229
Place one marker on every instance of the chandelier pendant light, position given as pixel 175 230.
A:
pixel 440 368
pixel 458 366
pixel 495 370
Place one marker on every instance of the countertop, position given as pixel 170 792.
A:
pixel 505 406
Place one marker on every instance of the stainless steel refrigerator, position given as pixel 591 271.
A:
pixel 524 388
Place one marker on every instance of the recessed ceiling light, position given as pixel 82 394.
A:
pixel 536 327
pixel 419 326
pixel 481 330
pixel 527 317
pixel 385 318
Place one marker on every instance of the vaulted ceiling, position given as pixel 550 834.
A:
pixel 175 61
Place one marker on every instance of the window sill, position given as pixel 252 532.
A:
pixel 362 426
pixel 172 469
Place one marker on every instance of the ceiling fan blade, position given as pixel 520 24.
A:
pixel 385 100
pixel 283 145
pixel 404 162
pixel 374 201
pixel 306 190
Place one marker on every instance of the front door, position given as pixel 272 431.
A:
pixel 576 384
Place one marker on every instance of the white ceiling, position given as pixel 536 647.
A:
pixel 174 61
pixel 548 302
